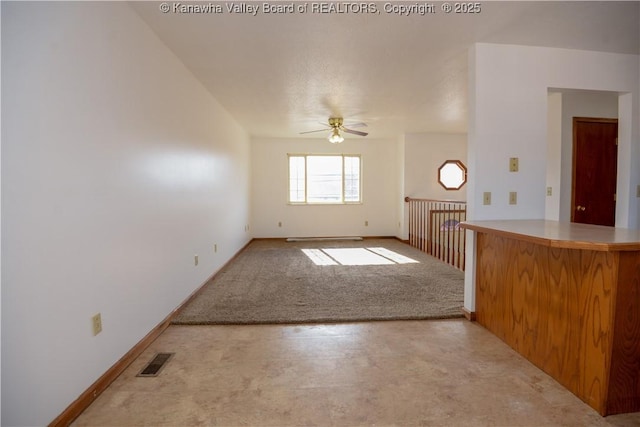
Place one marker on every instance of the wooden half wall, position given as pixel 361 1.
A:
pixel 574 313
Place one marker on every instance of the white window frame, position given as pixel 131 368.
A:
pixel 343 181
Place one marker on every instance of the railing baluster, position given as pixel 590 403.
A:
pixel 418 221
pixel 440 232
pixel 412 225
pixel 457 252
pixel 427 219
pixel 452 235
pixel 412 229
pixel 424 224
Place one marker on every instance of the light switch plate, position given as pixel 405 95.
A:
pixel 513 198
pixel 486 198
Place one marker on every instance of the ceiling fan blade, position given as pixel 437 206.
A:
pixel 355 132
pixel 357 125
pixel 312 131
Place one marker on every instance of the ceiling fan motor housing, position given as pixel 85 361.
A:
pixel 335 122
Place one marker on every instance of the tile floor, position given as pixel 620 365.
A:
pixel 431 373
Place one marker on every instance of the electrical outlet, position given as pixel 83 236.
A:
pixel 638 191
pixel 486 198
pixel 215 248
pixel 513 164
pixel 513 198
pixel 96 322
pixel 195 260
pixel 549 191
pixel 279 223
pixel 366 223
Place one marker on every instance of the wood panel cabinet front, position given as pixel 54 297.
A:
pixel 563 309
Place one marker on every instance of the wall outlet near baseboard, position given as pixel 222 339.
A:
pixel 513 198
pixel 215 248
pixel 549 191
pixel 366 223
pixel 195 260
pixel 638 191
pixel 513 164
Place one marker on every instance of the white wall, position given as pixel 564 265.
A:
pixel 508 118
pixel 117 167
pixel 424 154
pixel 554 156
pixel 402 213
pixel 269 190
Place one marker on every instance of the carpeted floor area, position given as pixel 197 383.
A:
pixel 274 281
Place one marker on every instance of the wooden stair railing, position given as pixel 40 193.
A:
pixel 434 228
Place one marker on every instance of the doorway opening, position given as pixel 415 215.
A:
pixel 561 202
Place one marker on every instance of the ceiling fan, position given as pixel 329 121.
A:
pixel 336 126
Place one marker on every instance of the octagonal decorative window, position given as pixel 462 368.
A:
pixel 452 175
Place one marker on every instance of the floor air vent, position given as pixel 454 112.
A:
pixel 155 366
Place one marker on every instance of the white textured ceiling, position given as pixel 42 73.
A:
pixel 282 74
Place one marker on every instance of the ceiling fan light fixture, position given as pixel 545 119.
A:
pixel 335 137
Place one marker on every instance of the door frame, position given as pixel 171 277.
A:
pixel 573 159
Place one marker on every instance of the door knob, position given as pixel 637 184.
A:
pixel 581 208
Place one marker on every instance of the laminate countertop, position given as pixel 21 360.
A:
pixel 561 234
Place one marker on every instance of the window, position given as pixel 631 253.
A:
pixel 452 175
pixel 324 178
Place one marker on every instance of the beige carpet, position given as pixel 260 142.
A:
pixel 274 281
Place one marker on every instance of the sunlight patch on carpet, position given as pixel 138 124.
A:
pixel 356 256
pixel 393 256
pixel 318 257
